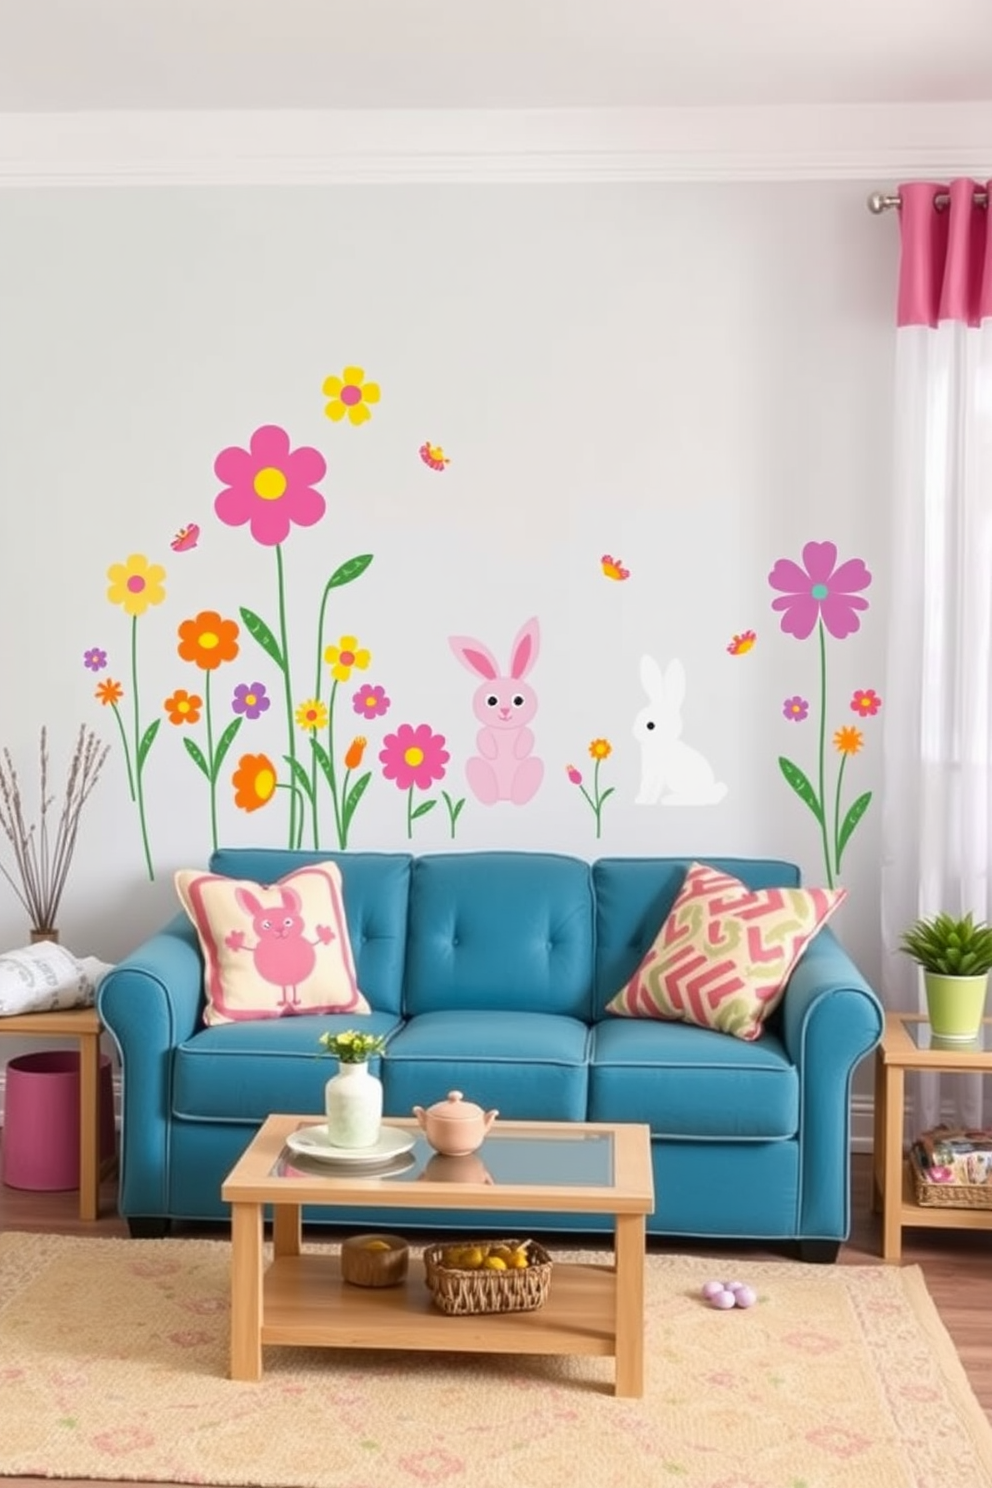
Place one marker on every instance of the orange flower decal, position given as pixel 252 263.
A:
pixel 355 751
pixel 183 707
pixel 109 692
pixel 848 740
pixel 254 782
pixel 208 640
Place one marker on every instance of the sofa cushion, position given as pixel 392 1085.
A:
pixel 634 897
pixel 502 930
pixel 529 1066
pixel 691 1082
pixel 725 952
pixel 272 950
pixel 245 1071
pixel 376 900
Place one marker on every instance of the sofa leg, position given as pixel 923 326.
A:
pixel 150 1227
pixel 819 1252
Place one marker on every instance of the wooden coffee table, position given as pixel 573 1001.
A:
pixel 544 1167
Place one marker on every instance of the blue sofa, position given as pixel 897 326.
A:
pixel 490 972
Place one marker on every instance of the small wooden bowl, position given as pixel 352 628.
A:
pixel 374 1267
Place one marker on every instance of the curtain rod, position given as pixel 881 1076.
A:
pixel 880 202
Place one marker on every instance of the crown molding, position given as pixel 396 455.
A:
pixel 879 143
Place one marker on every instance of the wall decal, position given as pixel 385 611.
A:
pixel 743 643
pixel 371 701
pixel 251 700
pixel 671 772
pixel 434 456
pixel 186 538
pixel 505 768
pixel 454 811
pixel 136 585
pixel 350 395
pixel 825 598
pixel 95 659
pixel 255 782
pixel 272 488
pixel 207 641
pixel 613 568
pixel 414 757
pixel 600 750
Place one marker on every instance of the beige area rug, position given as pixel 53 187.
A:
pixel 113 1362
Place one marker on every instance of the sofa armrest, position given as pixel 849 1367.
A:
pixel 831 1019
pixel 150 1003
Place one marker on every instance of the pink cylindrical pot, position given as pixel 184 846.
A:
pixel 40 1148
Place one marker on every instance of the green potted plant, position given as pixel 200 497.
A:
pixel 956 957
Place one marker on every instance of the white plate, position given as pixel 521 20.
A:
pixel 313 1141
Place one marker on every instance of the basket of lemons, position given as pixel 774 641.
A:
pixel 472 1276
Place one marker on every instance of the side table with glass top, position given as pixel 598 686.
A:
pixel 908 1044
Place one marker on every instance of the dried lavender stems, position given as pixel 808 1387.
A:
pixel 41 859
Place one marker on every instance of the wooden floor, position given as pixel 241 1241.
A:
pixel 957 1266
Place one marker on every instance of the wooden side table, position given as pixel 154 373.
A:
pixel 82 1024
pixel 906 1046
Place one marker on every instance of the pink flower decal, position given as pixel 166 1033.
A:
pixel 820 591
pixel 370 702
pixel 270 486
pixel 414 756
pixel 796 709
pixel 866 703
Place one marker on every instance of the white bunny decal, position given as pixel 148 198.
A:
pixel 671 772
pixel 504 769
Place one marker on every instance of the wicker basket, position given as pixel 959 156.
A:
pixel 947 1195
pixel 460 1292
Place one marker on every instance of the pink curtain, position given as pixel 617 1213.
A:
pixel 946 268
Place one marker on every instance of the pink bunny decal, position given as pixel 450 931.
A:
pixel 504 769
pixel 283 955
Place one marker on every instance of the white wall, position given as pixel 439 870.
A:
pixel 695 378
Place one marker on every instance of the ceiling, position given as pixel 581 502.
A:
pixel 60 55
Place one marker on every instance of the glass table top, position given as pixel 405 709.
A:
pixel 924 1037
pixel 580 1160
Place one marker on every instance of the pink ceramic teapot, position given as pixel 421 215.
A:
pixel 455 1126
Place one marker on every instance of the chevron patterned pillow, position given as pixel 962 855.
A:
pixel 724 955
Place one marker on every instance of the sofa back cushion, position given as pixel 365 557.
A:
pixel 634 897
pixel 376 889
pixel 500 930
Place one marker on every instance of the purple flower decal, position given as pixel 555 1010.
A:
pixel 820 591
pixel 796 709
pixel 95 659
pixel 370 702
pixel 251 699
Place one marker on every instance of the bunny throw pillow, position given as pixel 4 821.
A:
pixel 724 955
pixel 272 950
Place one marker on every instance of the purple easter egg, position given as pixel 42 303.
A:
pixel 722 1299
pixel 745 1296
pixel 711 1288
pixel 732 1286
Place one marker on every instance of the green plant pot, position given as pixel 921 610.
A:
pixel 955 1005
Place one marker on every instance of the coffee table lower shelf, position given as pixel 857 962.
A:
pixel 306 1303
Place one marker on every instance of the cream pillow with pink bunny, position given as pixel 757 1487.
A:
pixel 272 950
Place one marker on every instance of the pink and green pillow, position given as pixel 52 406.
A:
pixel 723 957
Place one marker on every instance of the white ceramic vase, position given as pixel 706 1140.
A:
pixel 353 1104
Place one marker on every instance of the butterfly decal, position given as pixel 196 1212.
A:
pixel 186 538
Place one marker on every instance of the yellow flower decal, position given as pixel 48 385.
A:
pixel 350 395
pixel 345 655
pixel 136 584
pixel 600 749
pixel 312 714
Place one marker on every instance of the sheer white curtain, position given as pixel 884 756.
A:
pixel 937 777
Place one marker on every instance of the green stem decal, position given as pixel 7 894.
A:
pixel 126 747
pixel 142 744
pixel 330 770
pixel 288 687
pixel 454 810
pixel 822 635
pixel 212 776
